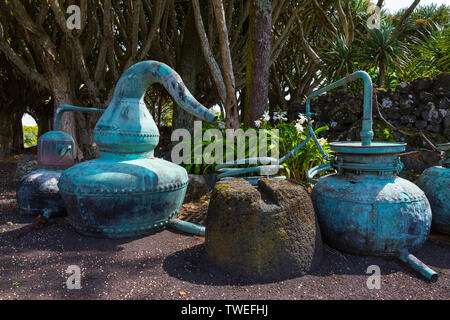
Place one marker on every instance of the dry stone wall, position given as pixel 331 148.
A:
pixel 422 105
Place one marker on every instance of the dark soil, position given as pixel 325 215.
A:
pixel 171 265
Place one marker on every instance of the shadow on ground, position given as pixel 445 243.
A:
pixel 193 266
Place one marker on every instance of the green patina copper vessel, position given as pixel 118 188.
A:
pixel 365 208
pixel 435 182
pixel 127 191
pixel 38 191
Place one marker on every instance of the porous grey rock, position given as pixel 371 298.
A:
pixel 408 119
pixel 403 87
pixel 199 185
pixel 344 116
pixel 446 122
pixel 430 113
pixel 444 103
pixel 417 112
pixel 430 158
pixel 425 96
pixel 441 86
pixel 446 133
pixel 394 113
pixel 422 83
pixel 406 111
pixel 407 101
pixel 267 232
pixel 412 163
pixel 421 124
pixel 434 128
pixel 386 103
pixel 26 164
pixel 443 112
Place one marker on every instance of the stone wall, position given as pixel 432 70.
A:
pixel 422 105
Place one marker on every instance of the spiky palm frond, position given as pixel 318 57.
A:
pixel 339 58
pixel 432 50
pixel 381 46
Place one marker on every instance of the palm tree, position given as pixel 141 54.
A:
pixel 339 58
pixel 431 55
pixel 380 48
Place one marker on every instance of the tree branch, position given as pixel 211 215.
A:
pixel 157 16
pixel 404 17
pixel 277 47
pixel 77 51
pixel 136 11
pixel 305 45
pixel 232 120
pixel 331 29
pixel 343 19
pixel 28 73
pixel 209 57
pixel 107 41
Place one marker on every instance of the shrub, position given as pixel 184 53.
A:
pixel 290 135
pixel 30 134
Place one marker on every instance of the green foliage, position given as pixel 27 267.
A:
pixel 380 46
pixel 307 157
pixel 423 18
pixel 339 58
pixel 160 105
pixel 429 56
pixel 382 132
pixel 205 168
pixel 290 135
pixel 419 48
pixel 30 134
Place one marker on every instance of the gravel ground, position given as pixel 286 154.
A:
pixel 171 265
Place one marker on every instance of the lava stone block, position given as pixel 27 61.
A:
pixel 267 232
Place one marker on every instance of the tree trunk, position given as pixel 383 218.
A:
pixel 17 133
pixel 232 114
pixel 44 122
pixel 4 147
pixel 258 60
pixel 74 123
pixel 6 132
pixel 188 68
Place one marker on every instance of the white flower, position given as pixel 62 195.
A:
pixel 266 116
pixel 257 123
pixel 322 141
pixel 280 116
pixel 301 118
pixel 299 127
